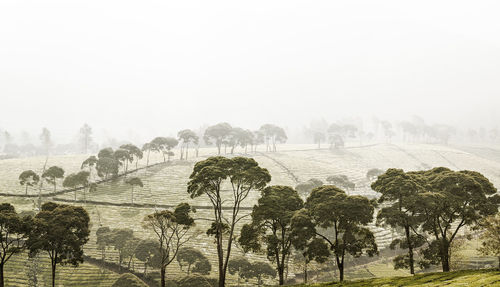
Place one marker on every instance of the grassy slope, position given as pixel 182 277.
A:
pixel 458 278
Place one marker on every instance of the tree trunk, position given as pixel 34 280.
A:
pixel 162 275
pixel 305 273
pixel 145 269
pixel 341 271
pixel 55 185
pixel 445 258
pixel 1 275
pixel 410 249
pixel 281 273
pixel 498 263
pixel 218 149
pixel 187 149
pixel 132 194
pixel 53 274
pixel 26 191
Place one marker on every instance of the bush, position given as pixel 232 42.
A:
pixel 129 280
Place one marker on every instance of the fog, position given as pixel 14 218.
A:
pixel 137 69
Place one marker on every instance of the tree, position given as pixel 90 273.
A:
pixel 307 186
pixel 171 229
pixel 119 238
pixel 217 133
pixel 401 191
pixel 85 137
pixel 90 162
pixel 147 147
pixel 14 231
pixel 147 251
pixel 46 140
pixel 272 135
pixel 28 178
pixel 187 136
pixel 123 156
pixel 129 249
pixel 52 174
pixel 75 180
pixel 373 173
pixel 134 181
pixel 491 237
pixel 61 231
pixel 164 145
pixel 134 153
pixel 129 280
pixel 103 240
pixel 453 199
pixel 346 217
pixel 318 137
pixel 237 137
pixel 314 250
pixel 241 266
pixel 262 269
pixel 107 164
pixel 207 177
pixel 272 225
pixel 341 181
pixel 192 257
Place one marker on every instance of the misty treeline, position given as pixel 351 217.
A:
pixel 225 137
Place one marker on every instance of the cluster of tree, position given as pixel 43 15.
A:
pixel 431 207
pixel 248 270
pixel 223 134
pixel 57 230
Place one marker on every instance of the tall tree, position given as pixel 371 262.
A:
pixel 343 219
pixel 318 137
pixel 272 226
pixel 189 256
pixel 103 240
pixel 123 156
pixel 164 145
pixel 147 251
pixel 52 174
pixel 14 231
pixel 244 175
pixel 272 135
pixel 107 164
pixel 454 199
pixel 400 194
pixel 171 229
pixel 147 147
pixel 89 163
pixel 187 136
pixel 119 239
pixel 490 244
pixel 61 231
pixel 134 152
pixel 134 181
pixel 85 137
pixel 28 178
pixel 218 134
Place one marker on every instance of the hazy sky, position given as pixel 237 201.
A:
pixel 158 66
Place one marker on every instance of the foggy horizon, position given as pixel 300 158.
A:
pixel 155 68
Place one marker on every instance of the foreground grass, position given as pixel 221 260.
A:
pixel 473 278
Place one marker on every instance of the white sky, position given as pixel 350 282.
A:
pixel 158 66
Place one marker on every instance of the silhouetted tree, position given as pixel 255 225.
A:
pixel 217 133
pixel 52 174
pixel 28 178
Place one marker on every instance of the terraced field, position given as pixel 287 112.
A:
pixel 165 185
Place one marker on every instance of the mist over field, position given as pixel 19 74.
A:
pixel 232 143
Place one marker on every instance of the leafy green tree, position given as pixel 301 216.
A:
pixel 164 145
pixel 106 152
pixel 218 133
pixel 52 174
pixel 146 251
pixel 490 244
pixel 85 137
pixel 14 231
pixel 272 135
pixel 171 229
pixel 107 166
pixel 262 269
pixel 272 226
pixel 315 249
pixel 119 239
pixel 341 181
pixel 28 178
pixel 346 217
pixel 103 240
pixel 240 266
pixel 134 152
pixel 189 256
pixel 187 136
pixel 400 193
pixel 307 186
pixel 124 157
pixel 134 181
pixel 76 180
pixel 207 178
pixel 202 267
pixel 454 199
pixel 61 231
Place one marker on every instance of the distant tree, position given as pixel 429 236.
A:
pixel 52 174
pixel 90 162
pixel 147 251
pixel 314 250
pixel 258 138
pixel 341 181
pixel 171 229
pixel 247 138
pixel 454 199
pixel 28 178
pixel 147 147
pixel 106 152
pixel 134 181
pixel 107 164
pixel 119 238
pixel 307 186
pixel 262 269
pixel 75 180
pixel 272 226
pixel 189 256
pixel 164 145
pixel 240 266
pixel 46 140
pixel 103 240
pixel 318 137
pixel 187 136
pixel 388 131
pixel 129 249
pixel 14 233
pixel 236 138
pixel 373 173
pixel 400 192
pixel 208 175
pixel 134 152
pixel 85 137
pixel 491 237
pixel 272 135
pixel 61 231
pixel 123 156
pixel 346 216
pixel 218 134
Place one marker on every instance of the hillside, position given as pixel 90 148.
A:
pixel 472 278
